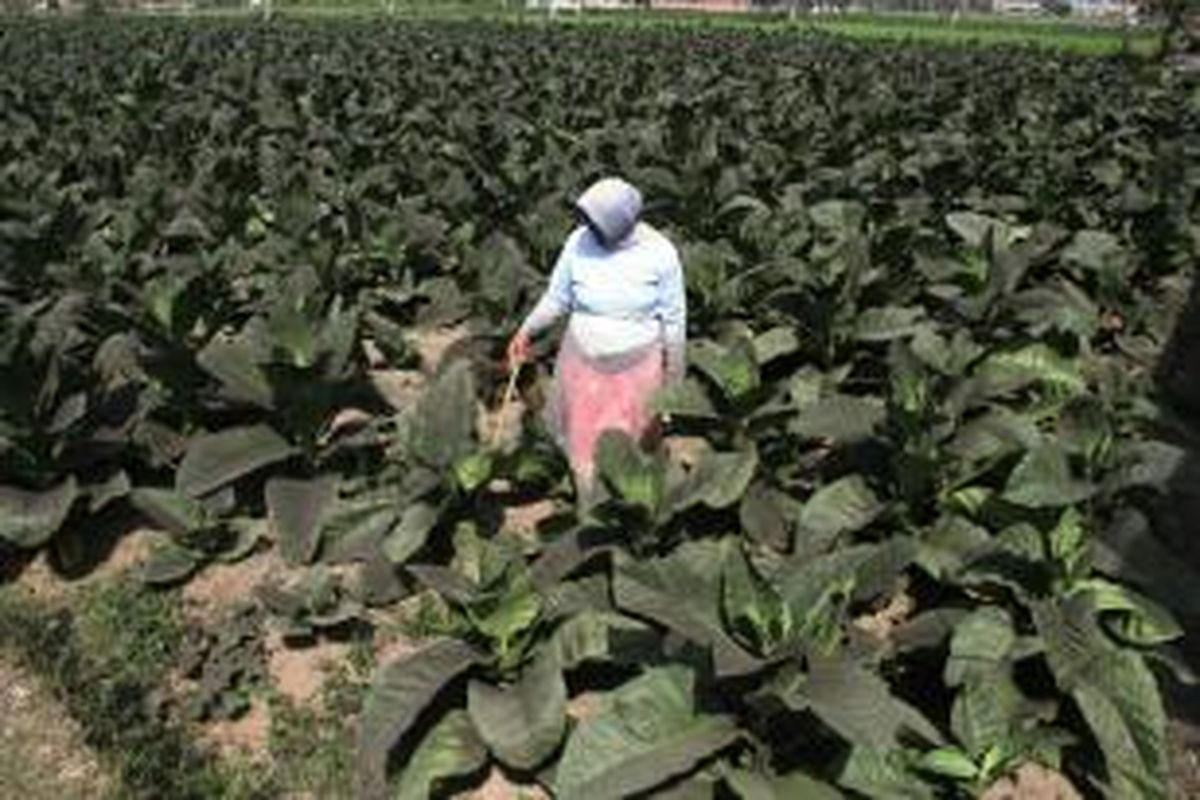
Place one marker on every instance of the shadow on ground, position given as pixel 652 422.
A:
pixel 1176 526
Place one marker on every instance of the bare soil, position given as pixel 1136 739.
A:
pixel 499 787
pixel 299 673
pixel 1032 782
pixel 432 344
pixel 42 753
pixel 40 581
pixel 399 388
pixel 246 737
pixel 210 593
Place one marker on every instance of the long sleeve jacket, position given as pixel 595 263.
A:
pixel 620 299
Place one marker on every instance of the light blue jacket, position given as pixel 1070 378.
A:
pixel 621 298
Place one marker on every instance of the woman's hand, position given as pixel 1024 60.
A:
pixel 518 350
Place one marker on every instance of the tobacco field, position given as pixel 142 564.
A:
pixel 902 538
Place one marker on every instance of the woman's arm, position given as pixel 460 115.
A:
pixel 556 300
pixel 672 304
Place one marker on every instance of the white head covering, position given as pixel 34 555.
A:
pixel 612 206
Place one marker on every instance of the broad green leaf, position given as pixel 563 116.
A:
pixel 840 418
pixel 888 323
pixel 685 398
pixel 845 506
pixel 1043 479
pixel 1136 619
pixel 473 471
pixel 718 481
pixel 100 495
pixel 950 762
pixel 950 544
pixel 989 709
pixel 816 586
pixel 1116 692
pixel 645 733
pixel 883 772
pixel 858 704
pixel 763 517
pixel 604 636
pixel 952 357
pixel 974 229
pixel 997 433
pixel 452 748
pixel 980 642
pixel 235 363
pixel 733 368
pixel 793 786
pixel 410 534
pixel 775 343
pixel 1035 364
pixel 355 526
pixel 169 563
pixel 399 692
pixel 682 591
pixel 504 616
pixel 297 509
pixel 442 425
pixel 217 459
pixel 522 724
pixel 637 478
pixel 30 519
pixel 1098 251
pixel 751 607
pixel 172 511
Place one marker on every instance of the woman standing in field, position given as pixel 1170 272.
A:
pixel 621 282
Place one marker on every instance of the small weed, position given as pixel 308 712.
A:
pixel 132 632
pixel 106 662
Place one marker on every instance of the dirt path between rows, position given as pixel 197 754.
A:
pixel 42 754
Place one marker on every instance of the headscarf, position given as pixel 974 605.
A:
pixel 611 207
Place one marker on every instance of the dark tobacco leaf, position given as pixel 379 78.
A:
pixel 30 519
pixel 216 459
pixel 298 509
pixel 451 749
pixel 646 732
pixel 172 511
pixel 398 694
pixel 682 591
pixel 169 562
pixel 522 724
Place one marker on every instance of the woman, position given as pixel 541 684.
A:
pixel 622 284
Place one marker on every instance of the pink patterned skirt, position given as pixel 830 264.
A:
pixel 592 395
